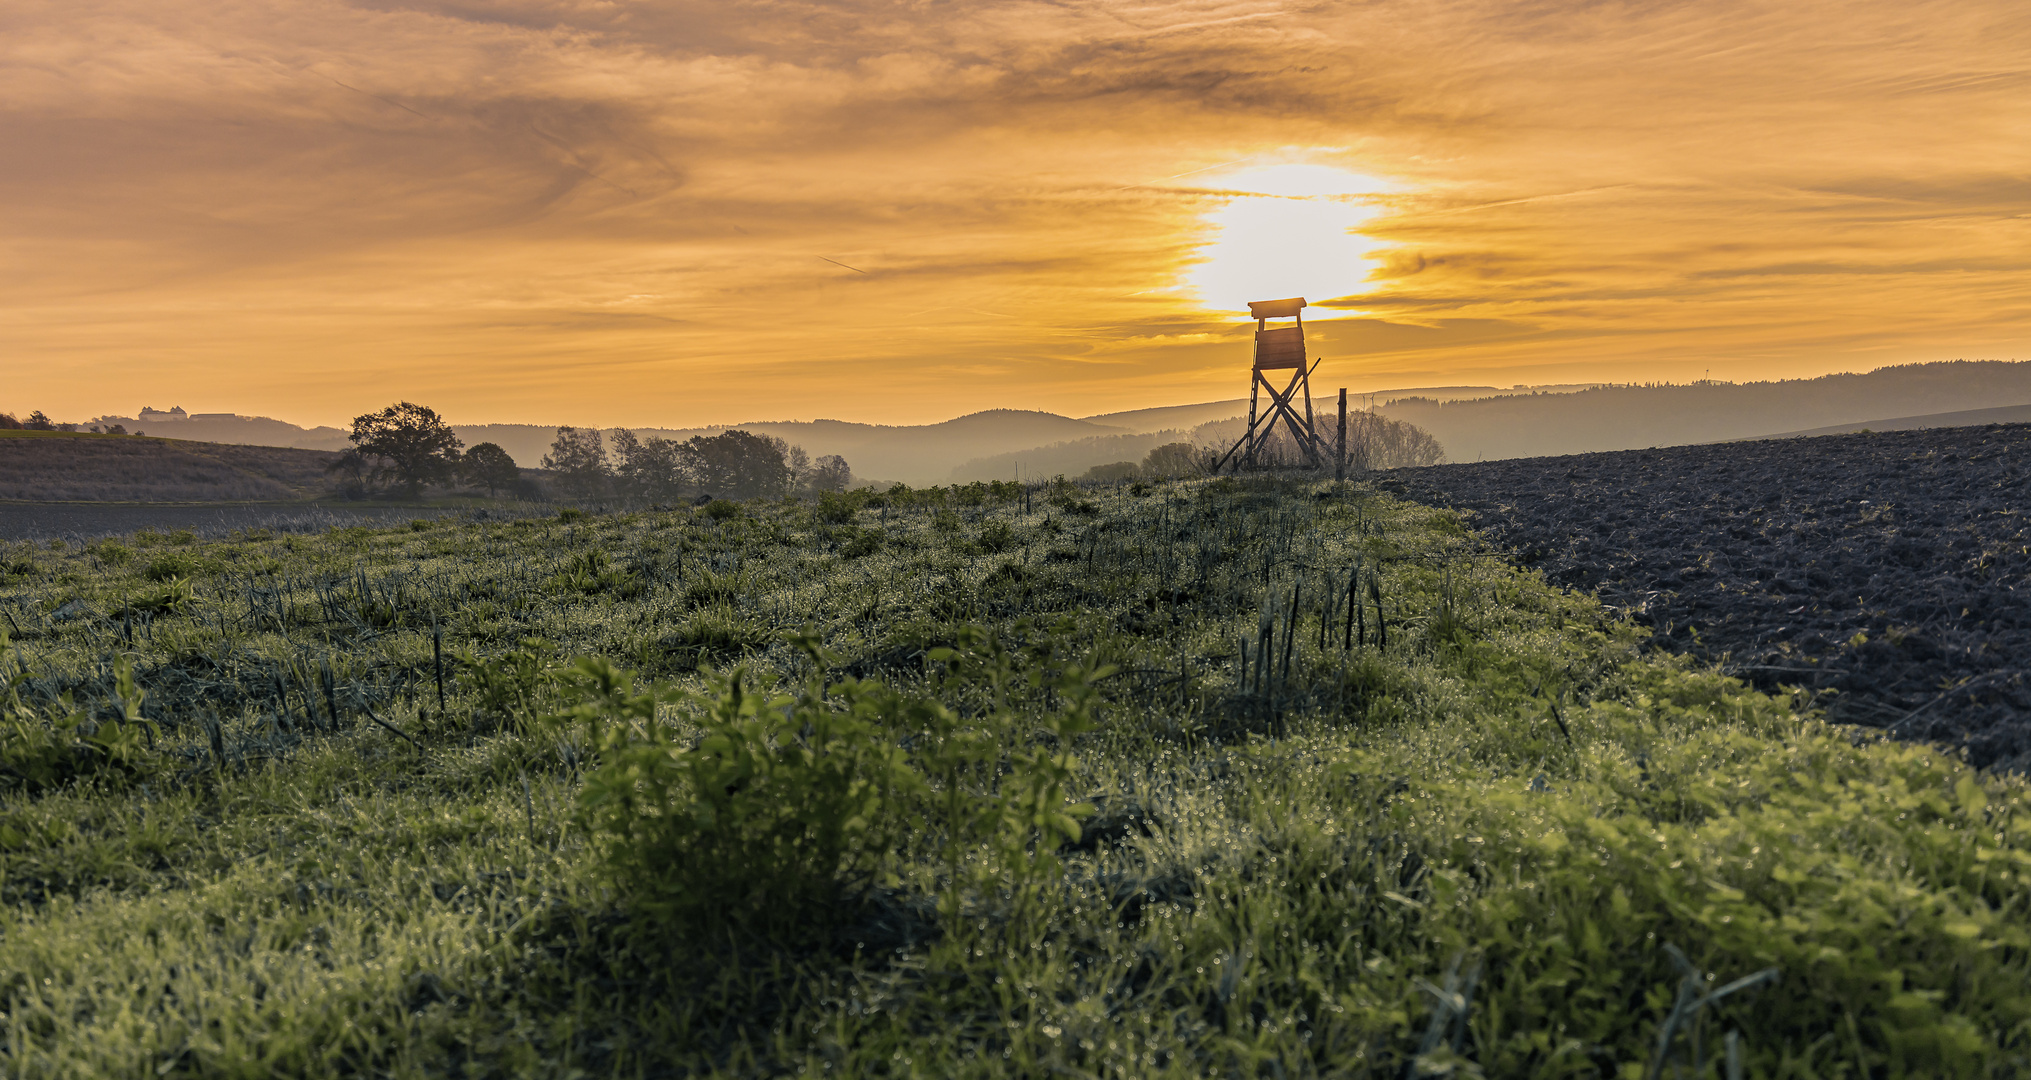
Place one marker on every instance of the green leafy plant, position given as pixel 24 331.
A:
pixel 1023 810
pixel 171 564
pixel 41 751
pixel 766 808
pixel 780 806
pixel 112 552
pixel 174 596
pixel 835 508
pixel 592 571
pixel 510 685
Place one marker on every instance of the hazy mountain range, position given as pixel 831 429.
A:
pixel 1635 417
pixel 1473 422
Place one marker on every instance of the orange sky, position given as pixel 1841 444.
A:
pixel 609 212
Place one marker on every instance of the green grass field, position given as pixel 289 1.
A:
pixel 967 782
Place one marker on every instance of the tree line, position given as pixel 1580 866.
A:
pixel 734 464
pixel 1373 442
pixel 38 421
pixel 409 447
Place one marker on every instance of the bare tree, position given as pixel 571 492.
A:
pixel 1178 460
pixel 1375 441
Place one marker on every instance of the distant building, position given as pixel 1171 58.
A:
pixel 157 416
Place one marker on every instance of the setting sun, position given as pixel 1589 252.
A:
pixel 1289 230
pixel 671 215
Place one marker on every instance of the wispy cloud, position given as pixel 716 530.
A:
pixel 608 209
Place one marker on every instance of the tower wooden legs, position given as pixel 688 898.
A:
pixel 1282 407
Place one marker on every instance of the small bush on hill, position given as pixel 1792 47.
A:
pixel 782 805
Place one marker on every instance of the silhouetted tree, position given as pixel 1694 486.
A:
pixel 651 469
pixel 413 444
pixel 1113 472
pixel 579 459
pixel 8 422
pixel 737 464
pixel 38 422
pixel 351 468
pixel 1178 459
pixel 831 473
pixel 487 465
pixel 117 429
pixel 1375 441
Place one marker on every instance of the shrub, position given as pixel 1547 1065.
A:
pixel 170 564
pixel 783 805
pixel 862 545
pixel 995 537
pixel 722 509
pixel 590 571
pixel 1111 473
pixel 717 632
pixel 173 596
pixel 1178 460
pixel 39 752
pixel 510 686
pixel 834 508
pixel 111 552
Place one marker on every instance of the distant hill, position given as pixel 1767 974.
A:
pixel 1070 458
pixel 915 454
pixel 1172 417
pixel 237 430
pixel 1635 417
pixel 57 467
pixel 1472 422
pixel 2008 414
pixel 919 454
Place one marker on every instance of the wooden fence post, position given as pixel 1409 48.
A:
pixel 1340 455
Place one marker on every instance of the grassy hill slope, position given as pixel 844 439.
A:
pixel 63 467
pixel 1049 782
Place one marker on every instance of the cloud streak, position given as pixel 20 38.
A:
pixel 605 212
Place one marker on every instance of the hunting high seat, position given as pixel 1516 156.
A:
pixel 1278 349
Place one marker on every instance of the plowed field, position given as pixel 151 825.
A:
pixel 1886 571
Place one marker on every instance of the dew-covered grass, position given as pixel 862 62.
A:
pixel 1463 826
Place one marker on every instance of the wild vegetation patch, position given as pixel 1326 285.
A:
pixel 1251 777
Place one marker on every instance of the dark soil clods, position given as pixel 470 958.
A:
pixel 1893 569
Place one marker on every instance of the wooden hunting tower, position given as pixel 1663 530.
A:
pixel 1278 349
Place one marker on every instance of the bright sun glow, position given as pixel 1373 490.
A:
pixel 1293 234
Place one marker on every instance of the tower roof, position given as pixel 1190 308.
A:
pixel 1275 309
